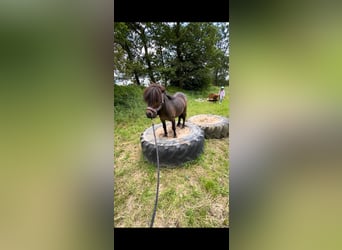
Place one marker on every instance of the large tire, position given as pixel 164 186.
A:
pixel 214 126
pixel 172 152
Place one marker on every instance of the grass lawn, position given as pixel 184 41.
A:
pixel 195 195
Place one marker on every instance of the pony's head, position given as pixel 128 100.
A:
pixel 154 97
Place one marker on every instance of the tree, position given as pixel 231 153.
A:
pixel 142 30
pixel 195 50
pixel 220 67
pixel 187 55
pixel 124 40
pixel 163 41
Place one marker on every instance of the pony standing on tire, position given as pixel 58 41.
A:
pixel 173 151
pixel 166 106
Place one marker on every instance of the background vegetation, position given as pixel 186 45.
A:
pixel 187 55
pixel 195 195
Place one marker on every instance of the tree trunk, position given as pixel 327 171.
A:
pixel 137 78
pixel 216 77
pixel 163 75
pixel 179 72
pixel 149 66
pixel 141 31
pixel 130 57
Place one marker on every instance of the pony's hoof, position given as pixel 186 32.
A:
pixel 165 135
pixel 183 126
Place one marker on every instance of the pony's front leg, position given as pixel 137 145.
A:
pixel 174 128
pixel 164 127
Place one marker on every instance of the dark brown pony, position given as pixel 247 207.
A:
pixel 166 106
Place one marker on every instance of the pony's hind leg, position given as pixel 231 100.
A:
pixel 179 119
pixel 174 128
pixel 183 116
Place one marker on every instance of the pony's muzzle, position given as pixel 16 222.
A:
pixel 151 113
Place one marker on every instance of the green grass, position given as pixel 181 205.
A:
pixel 194 195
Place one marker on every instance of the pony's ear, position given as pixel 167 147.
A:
pixel 152 83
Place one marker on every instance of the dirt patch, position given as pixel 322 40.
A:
pixel 205 119
pixel 181 132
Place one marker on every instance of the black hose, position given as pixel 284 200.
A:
pixel 157 192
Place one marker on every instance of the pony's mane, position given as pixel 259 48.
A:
pixel 170 97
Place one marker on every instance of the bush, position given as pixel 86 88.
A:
pixel 126 97
pixel 128 101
